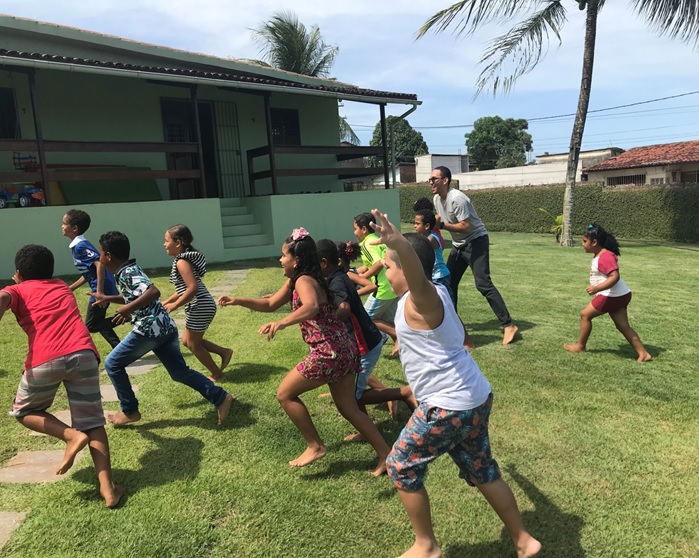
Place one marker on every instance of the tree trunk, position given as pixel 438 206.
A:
pixel 580 117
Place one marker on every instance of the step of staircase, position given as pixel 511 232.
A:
pixel 241 230
pixel 246 240
pixel 235 220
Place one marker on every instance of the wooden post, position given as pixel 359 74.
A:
pixel 385 147
pixel 270 143
pixel 39 135
pixel 197 137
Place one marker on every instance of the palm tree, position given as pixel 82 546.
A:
pixel 523 45
pixel 286 44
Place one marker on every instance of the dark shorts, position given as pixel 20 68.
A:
pixel 432 431
pixel 607 304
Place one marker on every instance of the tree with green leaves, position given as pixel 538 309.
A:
pixel 285 43
pixel 497 143
pixel 522 46
pixel 409 142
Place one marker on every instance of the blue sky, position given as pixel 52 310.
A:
pixel 378 51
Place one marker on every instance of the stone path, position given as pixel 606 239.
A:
pixel 8 523
pixel 40 466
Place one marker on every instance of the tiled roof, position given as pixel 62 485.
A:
pixel 239 77
pixel 651 156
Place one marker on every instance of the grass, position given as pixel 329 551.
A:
pixel 600 451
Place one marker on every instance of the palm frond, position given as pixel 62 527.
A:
pixel 521 47
pixel 474 13
pixel 673 18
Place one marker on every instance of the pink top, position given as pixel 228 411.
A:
pixel 47 312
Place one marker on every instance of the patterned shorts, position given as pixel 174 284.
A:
pixel 79 373
pixel 432 431
pixel 328 366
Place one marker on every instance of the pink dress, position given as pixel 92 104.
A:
pixel 334 352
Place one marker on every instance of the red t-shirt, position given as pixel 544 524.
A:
pixel 47 312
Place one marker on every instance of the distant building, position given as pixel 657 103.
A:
pixel 667 163
pixel 424 164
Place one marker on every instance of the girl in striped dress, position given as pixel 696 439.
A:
pixel 188 268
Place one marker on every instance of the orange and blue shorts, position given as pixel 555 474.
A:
pixel 431 432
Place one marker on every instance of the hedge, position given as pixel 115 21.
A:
pixel 653 213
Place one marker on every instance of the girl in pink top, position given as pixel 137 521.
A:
pixel 611 295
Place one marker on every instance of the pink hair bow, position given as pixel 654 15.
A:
pixel 298 234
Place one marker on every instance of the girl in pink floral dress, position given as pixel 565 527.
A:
pixel 333 358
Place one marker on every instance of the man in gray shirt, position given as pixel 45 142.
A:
pixel 470 245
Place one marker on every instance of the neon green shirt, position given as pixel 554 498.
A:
pixel 372 253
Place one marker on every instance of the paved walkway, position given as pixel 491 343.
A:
pixel 40 466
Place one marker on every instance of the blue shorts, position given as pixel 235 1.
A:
pixel 432 431
pixel 381 309
pixel 368 362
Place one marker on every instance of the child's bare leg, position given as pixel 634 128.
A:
pixel 586 317
pixel 501 499
pixel 99 450
pixel 375 383
pixel 621 321
pixel 382 395
pixel 193 341
pixel 417 506
pixel 46 423
pixel 389 329
pixel 344 397
pixel 293 385
pixel 226 354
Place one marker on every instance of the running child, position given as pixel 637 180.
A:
pixel 348 252
pixel 333 358
pixel 381 307
pixel 188 267
pixel 60 351
pixel 455 398
pixel 424 224
pixel 153 330
pixel 611 295
pixel 369 339
pixel 87 260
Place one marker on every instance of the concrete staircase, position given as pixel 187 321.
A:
pixel 243 236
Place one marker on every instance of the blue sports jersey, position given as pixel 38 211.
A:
pixel 84 257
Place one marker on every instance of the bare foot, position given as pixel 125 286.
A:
pixel 469 345
pixel 509 334
pixel 423 551
pixel 121 418
pixel 393 409
pixel 529 549
pixel 309 456
pixel 356 437
pixel 395 353
pixel 380 468
pixel 76 441
pixel 113 496
pixel 226 359
pixel 574 348
pixel 223 409
pixel 644 357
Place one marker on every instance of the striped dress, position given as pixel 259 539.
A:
pixel 200 311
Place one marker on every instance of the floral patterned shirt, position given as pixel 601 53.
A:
pixel 151 320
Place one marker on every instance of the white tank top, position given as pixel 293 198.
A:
pixel 439 370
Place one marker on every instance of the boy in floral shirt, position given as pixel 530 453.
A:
pixel 153 330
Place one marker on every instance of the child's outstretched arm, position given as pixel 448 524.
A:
pixel 270 304
pixel 5 300
pixel 100 271
pixel 366 286
pixel 305 287
pixel 423 303
pixel 79 282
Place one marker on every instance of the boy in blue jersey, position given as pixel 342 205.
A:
pixel 87 260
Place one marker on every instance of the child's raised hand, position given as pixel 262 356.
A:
pixel 226 300
pixel 271 328
pixel 387 232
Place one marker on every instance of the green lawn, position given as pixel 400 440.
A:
pixel 602 452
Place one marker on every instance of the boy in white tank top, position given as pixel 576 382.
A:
pixel 454 397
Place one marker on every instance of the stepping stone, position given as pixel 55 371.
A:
pixel 34 466
pixel 9 521
pixel 109 393
pixel 141 366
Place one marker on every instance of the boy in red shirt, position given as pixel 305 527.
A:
pixel 61 350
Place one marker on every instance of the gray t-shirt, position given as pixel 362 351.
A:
pixel 455 208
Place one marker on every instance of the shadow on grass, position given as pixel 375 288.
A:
pixel 239 417
pixel 3 372
pixel 250 372
pixel 338 469
pixel 626 351
pixel 485 339
pixel 558 532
